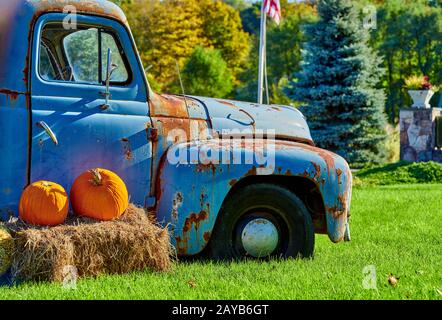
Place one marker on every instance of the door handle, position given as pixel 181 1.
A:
pixel 48 131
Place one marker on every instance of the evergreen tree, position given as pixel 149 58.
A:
pixel 338 85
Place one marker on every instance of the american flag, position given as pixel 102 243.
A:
pixel 273 9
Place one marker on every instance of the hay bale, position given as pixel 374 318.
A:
pixel 6 250
pixel 134 242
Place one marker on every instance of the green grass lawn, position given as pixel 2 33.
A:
pixel 398 229
pixel 399 173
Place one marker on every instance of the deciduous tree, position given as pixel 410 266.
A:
pixel 207 74
pixel 223 29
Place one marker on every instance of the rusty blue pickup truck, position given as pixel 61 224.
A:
pixel 230 179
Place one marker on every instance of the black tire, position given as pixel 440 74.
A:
pixel 275 203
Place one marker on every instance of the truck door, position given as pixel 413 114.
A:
pixel 73 129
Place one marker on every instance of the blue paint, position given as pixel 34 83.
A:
pixel 115 139
pixel 121 138
pixel 14 143
pixel 205 190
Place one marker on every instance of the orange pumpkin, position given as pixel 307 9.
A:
pixel 99 194
pixel 44 203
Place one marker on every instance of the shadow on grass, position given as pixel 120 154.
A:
pixel 402 172
pixel 383 169
pixel 204 258
pixel 6 280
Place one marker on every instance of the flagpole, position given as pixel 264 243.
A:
pixel 262 53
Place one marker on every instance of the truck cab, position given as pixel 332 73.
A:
pixel 229 178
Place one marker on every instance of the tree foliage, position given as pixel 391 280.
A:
pixel 174 32
pixel 409 36
pixel 284 43
pixel 168 31
pixel 223 29
pixel 238 4
pixel 207 74
pixel 338 85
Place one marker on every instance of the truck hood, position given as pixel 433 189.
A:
pixel 287 122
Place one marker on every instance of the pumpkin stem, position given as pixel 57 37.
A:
pixel 96 180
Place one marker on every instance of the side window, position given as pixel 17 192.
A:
pixel 108 42
pixel 46 67
pixel 81 49
pixel 80 55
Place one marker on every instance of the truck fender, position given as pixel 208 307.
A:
pixel 190 193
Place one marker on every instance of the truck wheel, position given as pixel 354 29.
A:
pixel 262 221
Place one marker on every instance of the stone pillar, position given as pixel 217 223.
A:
pixel 418 134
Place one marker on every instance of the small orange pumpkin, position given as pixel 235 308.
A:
pixel 99 194
pixel 44 203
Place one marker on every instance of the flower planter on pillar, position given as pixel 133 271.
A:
pixel 421 98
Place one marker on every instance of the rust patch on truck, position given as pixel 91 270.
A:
pixel 342 198
pixel 317 174
pixel 206 168
pixel 127 149
pixel 305 174
pixel 158 180
pixel 84 6
pixel 327 156
pixel 195 220
pixel 151 133
pixel 251 172
pixel 177 202
pixel 11 95
pixel 181 245
pixel 206 236
pixel 168 105
pixel 335 211
pixel 179 129
pixel 25 73
pixel 227 103
pixel 339 174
